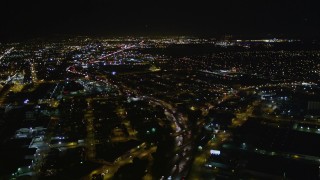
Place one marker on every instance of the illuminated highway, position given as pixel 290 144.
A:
pixel 7 52
pixel 178 124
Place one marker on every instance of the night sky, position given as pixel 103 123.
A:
pixel 199 18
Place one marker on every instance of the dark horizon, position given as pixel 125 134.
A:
pixel 248 18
